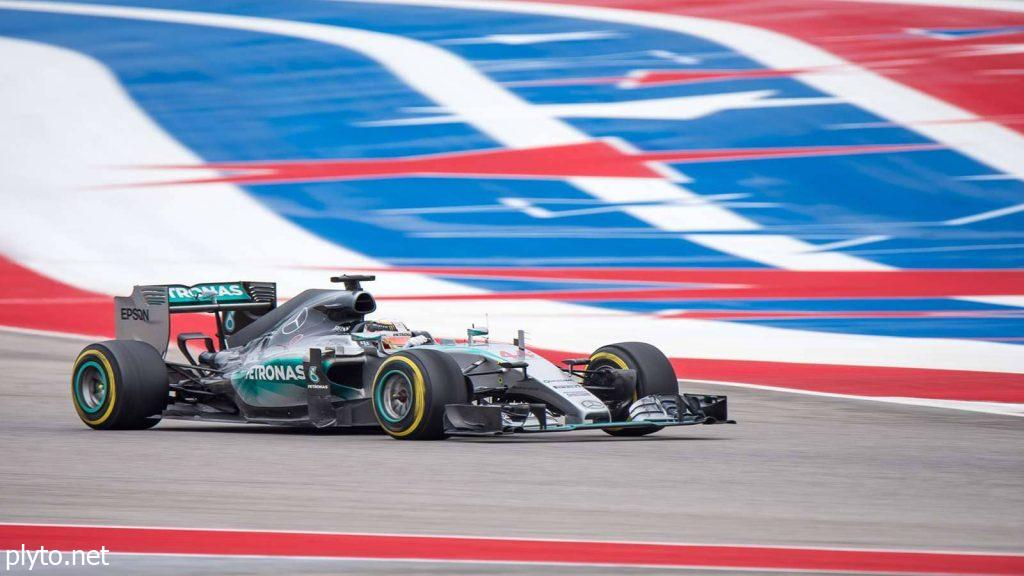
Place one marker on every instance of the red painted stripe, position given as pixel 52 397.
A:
pixel 592 159
pixel 668 77
pixel 89 314
pixel 448 548
pixel 880 381
pixel 31 300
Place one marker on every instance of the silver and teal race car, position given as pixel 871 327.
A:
pixel 317 360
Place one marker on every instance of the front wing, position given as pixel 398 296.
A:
pixel 660 410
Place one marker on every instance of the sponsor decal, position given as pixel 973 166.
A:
pixel 296 322
pixel 314 380
pixel 207 293
pixel 135 314
pixel 592 404
pixel 276 372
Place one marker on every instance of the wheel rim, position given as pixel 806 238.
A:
pixel 91 387
pixel 395 397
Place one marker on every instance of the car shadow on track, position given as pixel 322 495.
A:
pixel 560 438
pixel 552 438
pixel 277 430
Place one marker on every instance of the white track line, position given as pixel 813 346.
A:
pixel 52 334
pixel 1000 408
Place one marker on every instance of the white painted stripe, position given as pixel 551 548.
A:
pixel 989 177
pixel 675 108
pixel 985 215
pixel 522 39
pixel 990 50
pixel 688 215
pixel 52 334
pixel 1016 301
pixel 682 107
pixel 851 242
pixel 783 252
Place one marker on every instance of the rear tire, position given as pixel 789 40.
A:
pixel 119 385
pixel 410 391
pixel 654 375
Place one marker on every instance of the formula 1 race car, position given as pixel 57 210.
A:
pixel 316 360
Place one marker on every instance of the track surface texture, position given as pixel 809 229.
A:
pixel 800 471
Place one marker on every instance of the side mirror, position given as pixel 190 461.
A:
pixel 473 331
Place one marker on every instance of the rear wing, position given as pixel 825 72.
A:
pixel 145 315
pixel 221 296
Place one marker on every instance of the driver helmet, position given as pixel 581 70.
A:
pixel 394 334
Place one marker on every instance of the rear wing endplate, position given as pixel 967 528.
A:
pixel 145 315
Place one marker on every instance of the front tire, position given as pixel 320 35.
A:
pixel 410 391
pixel 654 375
pixel 119 385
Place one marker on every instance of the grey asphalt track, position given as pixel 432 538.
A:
pixel 797 470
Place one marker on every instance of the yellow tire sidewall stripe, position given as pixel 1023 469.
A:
pixel 610 357
pixel 112 386
pixel 420 391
